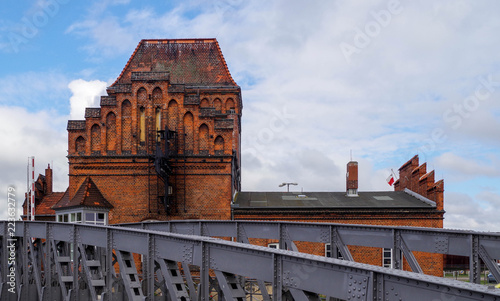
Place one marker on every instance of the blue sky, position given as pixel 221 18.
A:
pixel 385 79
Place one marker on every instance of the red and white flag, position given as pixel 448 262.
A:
pixel 390 180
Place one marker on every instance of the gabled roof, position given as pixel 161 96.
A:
pixel 339 200
pixel 88 195
pixel 187 61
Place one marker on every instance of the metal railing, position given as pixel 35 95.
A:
pixel 61 261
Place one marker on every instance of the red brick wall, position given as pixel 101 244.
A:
pixel 110 150
pixel 431 264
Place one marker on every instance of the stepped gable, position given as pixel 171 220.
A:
pixel 187 61
pixel 88 195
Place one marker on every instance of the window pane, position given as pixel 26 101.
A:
pixel 79 217
pixel 100 216
pixel 59 218
pixel 72 217
pixel 65 218
pixel 89 217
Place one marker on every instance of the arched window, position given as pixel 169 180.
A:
pixel 142 96
pixel 188 133
pixel 219 145
pixel 111 132
pixel 126 127
pixel 158 122
pixel 203 139
pixel 230 105
pixel 95 141
pixel 157 96
pixel 218 105
pixel 172 115
pixel 142 124
pixel 204 103
pixel 80 145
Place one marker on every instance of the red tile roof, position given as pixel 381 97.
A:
pixel 188 61
pixel 88 195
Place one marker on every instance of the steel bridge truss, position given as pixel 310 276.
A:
pixel 186 261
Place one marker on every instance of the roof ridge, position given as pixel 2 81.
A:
pixel 224 62
pixel 177 41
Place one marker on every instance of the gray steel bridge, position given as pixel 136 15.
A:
pixel 187 260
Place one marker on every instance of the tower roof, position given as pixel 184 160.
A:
pixel 88 195
pixel 187 61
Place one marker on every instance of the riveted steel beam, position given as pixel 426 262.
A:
pixel 288 272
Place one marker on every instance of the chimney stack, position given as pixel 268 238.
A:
pixel 48 180
pixel 352 178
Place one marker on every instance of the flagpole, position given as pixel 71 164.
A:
pixel 394 174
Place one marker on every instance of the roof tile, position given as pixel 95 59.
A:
pixel 88 195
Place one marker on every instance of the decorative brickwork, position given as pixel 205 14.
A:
pixel 116 145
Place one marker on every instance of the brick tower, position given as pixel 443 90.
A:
pixel 165 141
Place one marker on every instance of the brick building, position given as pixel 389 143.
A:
pixel 166 135
pixel 416 202
pixel 164 144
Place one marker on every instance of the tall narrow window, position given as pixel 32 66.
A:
pixel 158 122
pixel 218 105
pixel 80 145
pixel 203 139
pixel 142 124
pixel 219 145
pixel 172 115
pixel 95 142
pixel 387 259
pixel 188 133
pixel 111 133
pixel 126 127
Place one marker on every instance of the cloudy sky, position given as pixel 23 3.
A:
pixel 384 79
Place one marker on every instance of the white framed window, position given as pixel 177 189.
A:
pixel 274 245
pixel 328 252
pixel 387 260
pixel 83 216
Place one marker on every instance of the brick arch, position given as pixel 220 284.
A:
pixel 157 96
pixel 126 127
pixel 230 104
pixel 172 115
pixel 218 104
pixel 188 125
pixel 204 103
pixel 142 96
pixel 80 145
pixel 219 145
pixel 203 138
pixel 111 132
pixel 95 139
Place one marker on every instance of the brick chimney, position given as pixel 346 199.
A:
pixel 352 178
pixel 48 180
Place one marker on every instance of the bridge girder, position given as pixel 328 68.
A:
pixel 227 264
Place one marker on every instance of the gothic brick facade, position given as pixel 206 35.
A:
pixel 182 86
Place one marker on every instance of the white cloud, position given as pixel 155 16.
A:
pixel 34 90
pixel 85 94
pixel 466 212
pixel 468 167
pixel 41 134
